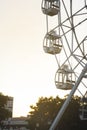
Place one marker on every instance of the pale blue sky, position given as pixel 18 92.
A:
pixel 26 72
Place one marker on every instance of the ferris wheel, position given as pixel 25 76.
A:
pixel 66 39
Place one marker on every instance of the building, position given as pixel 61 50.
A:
pixel 14 123
pixel 9 104
pixel 19 123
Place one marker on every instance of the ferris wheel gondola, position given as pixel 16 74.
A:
pixel 52 43
pixel 64 78
pixel 50 7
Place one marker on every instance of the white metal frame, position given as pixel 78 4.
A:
pixel 73 47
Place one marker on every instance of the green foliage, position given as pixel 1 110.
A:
pixel 44 112
pixel 70 118
pixel 4 113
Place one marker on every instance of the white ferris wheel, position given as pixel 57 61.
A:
pixel 66 39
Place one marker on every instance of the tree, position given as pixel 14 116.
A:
pixel 4 113
pixel 42 115
pixel 44 112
